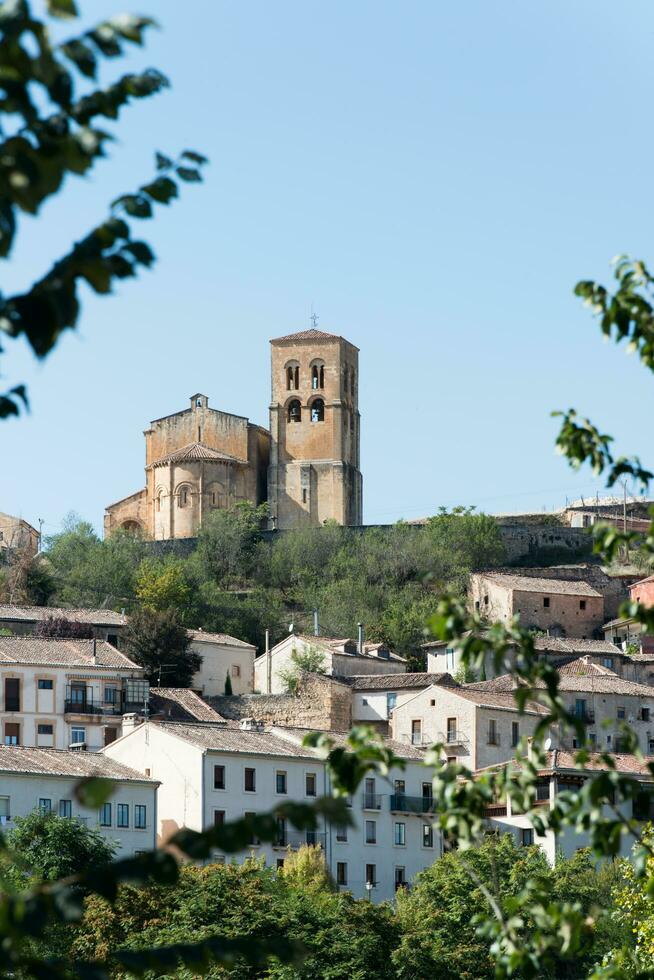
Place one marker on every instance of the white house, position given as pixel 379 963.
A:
pixel 57 693
pixel 212 773
pixel 340 658
pixel 45 779
pixel 562 773
pixel 222 655
pixel 477 727
pixel 375 696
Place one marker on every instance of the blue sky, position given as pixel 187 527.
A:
pixel 433 177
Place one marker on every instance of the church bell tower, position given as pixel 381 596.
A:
pixel 314 473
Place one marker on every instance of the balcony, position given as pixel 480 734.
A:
pixel 88 706
pixel 411 804
pixel 371 801
pixel 586 717
pixel 452 737
pixel 296 839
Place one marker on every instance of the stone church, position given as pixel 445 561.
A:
pixel 306 466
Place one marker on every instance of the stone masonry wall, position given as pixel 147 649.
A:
pixel 321 703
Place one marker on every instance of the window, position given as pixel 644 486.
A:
pixel 45 806
pixel 341 833
pixel 371 831
pixel 182 497
pixel 294 411
pixel 111 695
pixel 218 818
pixel 236 670
pixel 218 777
pixel 281 839
pixel 449 659
pixel 318 376
pixel 451 729
pixel 391 701
pixel 12 694
pixel 4 810
pixel 399 834
pixel 427 794
pixel 582 603
pixel 592 738
pixel 110 735
pixel 310 784
pixel 45 729
pixel 427 835
pixel 416 732
pixel 399 787
pixel 66 808
pixel 607 662
pixel 139 816
pixel 44 684
pixel 621 712
pixel 370 799
pixel 644 714
pixel 254 840
pixel 371 874
pixel 105 815
pixel 515 733
pixel 78 736
pixel 280 782
pixel 546 602
pixel 250 783
pixel 400 878
pixel 122 814
pixel 341 873
pixel 292 377
pixel 526 836
pixel 280 863
pixel 493 737
pixel 12 733
pixel 318 410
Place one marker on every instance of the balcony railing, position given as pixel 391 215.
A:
pixel 371 801
pixel 411 804
pixel 452 737
pixel 89 707
pixel 295 840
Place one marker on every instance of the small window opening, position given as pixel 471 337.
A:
pixel 304 495
pixel 198 403
pixel 318 411
pixel 546 602
pixel 183 497
pixel 582 603
pixel 294 411
pixel 293 377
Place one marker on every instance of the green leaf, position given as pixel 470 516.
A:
pixel 189 174
pixel 163 189
pixel 93 791
pixel 194 157
pixel 82 57
pixel 63 8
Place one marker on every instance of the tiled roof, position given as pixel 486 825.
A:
pixel 62 653
pixel 492 698
pixel 224 638
pixel 582 667
pixel 311 334
pixel 557 644
pixel 642 658
pixel 36 614
pixel 231 739
pixel 402 749
pixel 591 681
pixel 392 682
pixel 553 586
pixel 559 759
pixel 649 578
pixel 336 644
pixel 61 762
pixel 195 451
pixel 181 704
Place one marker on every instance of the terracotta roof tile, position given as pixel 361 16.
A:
pixel 181 704
pixel 61 762
pixel 492 698
pixel 62 653
pixel 525 583
pixel 311 334
pixel 195 451
pixel 588 680
pixel 392 682
pixel 224 638
pixel 36 614
pixel 403 749
pixel 223 738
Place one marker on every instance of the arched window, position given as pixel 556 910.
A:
pixel 159 499
pixel 292 377
pixel 318 376
pixel 183 495
pixel 318 410
pixel 198 403
pixel 294 411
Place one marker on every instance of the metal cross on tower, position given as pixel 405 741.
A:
pixel 314 319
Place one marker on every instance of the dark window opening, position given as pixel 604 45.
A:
pixel 12 694
pixel 317 376
pixel 292 377
pixel 582 603
pixel 546 602
pixel 294 411
pixel 318 410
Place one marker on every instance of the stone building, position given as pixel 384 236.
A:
pixel 314 471
pixel 17 535
pixel 306 467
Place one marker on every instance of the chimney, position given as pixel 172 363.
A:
pixel 360 640
pixel 131 721
pixel 316 625
pixel 95 651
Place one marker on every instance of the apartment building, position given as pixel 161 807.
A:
pixel 477 727
pixel 23 620
pixel 213 773
pixel 556 606
pixel 222 655
pixel 562 773
pixel 45 779
pixel 57 693
pixel 376 696
pixel 601 699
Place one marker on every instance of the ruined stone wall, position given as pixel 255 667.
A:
pixel 320 703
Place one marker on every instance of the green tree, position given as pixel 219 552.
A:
pixel 157 641
pixel 311 661
pixel 53 847
pixel 163 584
pixel 227 546
pixel 51 105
